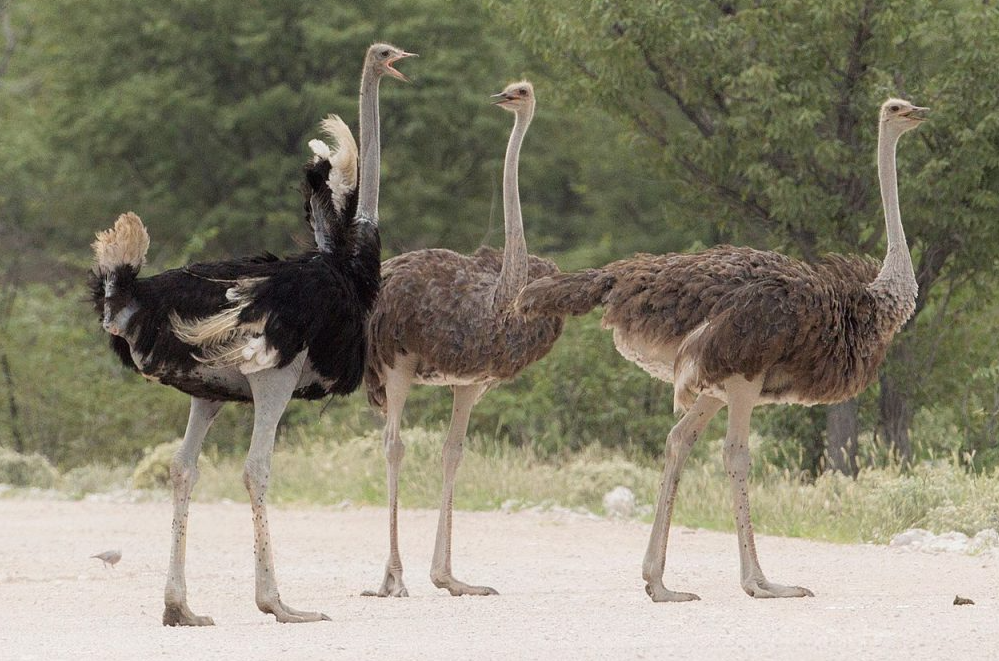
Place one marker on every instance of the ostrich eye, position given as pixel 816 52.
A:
pixel 523 92
pixel 385 53
pixel 893 108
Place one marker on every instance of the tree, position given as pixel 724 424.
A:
pixel 764 113
pixel 197 115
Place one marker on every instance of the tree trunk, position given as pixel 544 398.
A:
pixel 15 423
pixel 813 446
pixel 842 435
pixel 896 418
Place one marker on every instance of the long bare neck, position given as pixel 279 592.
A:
pixel 895 286
pixel 367 201
pixel 513 276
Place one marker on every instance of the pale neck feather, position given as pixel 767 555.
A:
pixel 367 201
pixel 513 275
pixel 897 280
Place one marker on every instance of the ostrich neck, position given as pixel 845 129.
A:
pixel 895 285
pixel 367 201
pixel 513 275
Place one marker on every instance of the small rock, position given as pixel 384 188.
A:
pixel 619 501
pixel 914 537
pixel 509 505
pixel 963 601
pixel 985 539
pixel 948 542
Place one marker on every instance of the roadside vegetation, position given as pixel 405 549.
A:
pixel 660 127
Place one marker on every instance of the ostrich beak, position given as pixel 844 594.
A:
pixel 393 72
pixel 917 113
pixel 503 98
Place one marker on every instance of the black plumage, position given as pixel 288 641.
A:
pixel 317 301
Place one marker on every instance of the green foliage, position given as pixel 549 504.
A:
pixel 310 468
pixel 26 470
pixel 882 502
pixel 592 473
pixel 660 126
pixel 95 478
pixel 196 115
pixel 153 471
pixel 764 116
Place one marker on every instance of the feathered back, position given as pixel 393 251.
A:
pixel 330 186
pixel 125 244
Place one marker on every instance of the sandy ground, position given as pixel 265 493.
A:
pixel 570 588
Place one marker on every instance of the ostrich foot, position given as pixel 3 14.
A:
pixel 392 585
pixel 288 615
pixel 761 588
pixel 179 615
pixel 659 592
pixel 458 589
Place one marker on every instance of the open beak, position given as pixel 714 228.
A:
pixel 917 113
pixel 503 98
pixel 393 72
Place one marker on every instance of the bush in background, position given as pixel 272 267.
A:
pixel 26 470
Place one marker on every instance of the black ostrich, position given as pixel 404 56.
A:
pixel 258 329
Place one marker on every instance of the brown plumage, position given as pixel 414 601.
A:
pixel 437 306
pixel 739 327
pixel 813 331
pixel 446 319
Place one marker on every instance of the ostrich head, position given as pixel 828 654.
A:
pixel 900 116
pixel 119 253
pixel 381 57
pixel 516 97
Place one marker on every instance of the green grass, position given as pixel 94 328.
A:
pixel 319 464
pixel 311 466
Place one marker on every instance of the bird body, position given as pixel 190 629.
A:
pixel 264 303
pixel 438 307
pixel 108 557
pixel 812 332
pixel 446 319
pixel 258 329
pixel 739 327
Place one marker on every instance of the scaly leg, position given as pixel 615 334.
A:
pixel 678 444
pixel 742 397
pixel 397 383
pixel 440 570
pixel 272 390
pixel 184 475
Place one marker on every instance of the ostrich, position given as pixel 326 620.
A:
pixel 258 329
pixel 742 327
pixel 445 319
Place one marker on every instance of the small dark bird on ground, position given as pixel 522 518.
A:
pixel 108 558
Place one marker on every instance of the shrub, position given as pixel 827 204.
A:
pixel 26 470
pixel 590 477
pixel 153 472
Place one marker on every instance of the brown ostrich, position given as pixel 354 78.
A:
pixel 445 319
pixel 743 327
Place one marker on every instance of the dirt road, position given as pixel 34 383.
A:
pixel 570 588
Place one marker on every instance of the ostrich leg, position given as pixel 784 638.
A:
pixel 440 570
pixel 742 397
pixel 183 475
pixel 678 444
pixel 397 383
pixel 272 390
